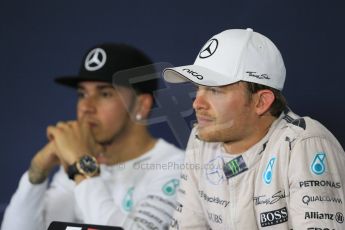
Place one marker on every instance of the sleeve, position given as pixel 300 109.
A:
pixel 316 179
pixel 25 208
pixel 189 212
pixel 153 210
pixel 33 207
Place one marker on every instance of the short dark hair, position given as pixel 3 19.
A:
pixel 279 104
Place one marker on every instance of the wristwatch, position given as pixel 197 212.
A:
pixel 86 166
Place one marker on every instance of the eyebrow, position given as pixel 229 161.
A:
pixel 105 87
pixel 99 87
pixel 209 87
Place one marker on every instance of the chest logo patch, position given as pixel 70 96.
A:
pixel 273 217
pixel 268 174
pixel 235 167
pixel 214 171
pixel 318 166
pixel 170 187
pixel 127 202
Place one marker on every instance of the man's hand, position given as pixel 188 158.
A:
pixel 42 163
pixel 73 139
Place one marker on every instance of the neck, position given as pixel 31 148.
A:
pixel 129 146
pixel 255 134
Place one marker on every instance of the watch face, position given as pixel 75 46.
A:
pixel 88 165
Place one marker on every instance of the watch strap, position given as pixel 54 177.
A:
pixel 72 171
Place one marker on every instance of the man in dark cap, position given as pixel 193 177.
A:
pixel 112 170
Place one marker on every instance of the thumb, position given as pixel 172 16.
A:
pixel 84 126
pixel 88 135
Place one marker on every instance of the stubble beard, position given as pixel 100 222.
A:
pixel 215 132
pixel 114 137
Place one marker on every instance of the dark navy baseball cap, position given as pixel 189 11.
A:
pixel 103 63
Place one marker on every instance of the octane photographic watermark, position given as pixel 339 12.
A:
pixel 174 166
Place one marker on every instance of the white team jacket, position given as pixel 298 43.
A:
pixel 293 178
pixel 139 194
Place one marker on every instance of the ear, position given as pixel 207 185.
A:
pixel 265 98
pixel 144 104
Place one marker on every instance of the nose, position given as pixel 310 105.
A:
pixel 87 105
pixel 200 101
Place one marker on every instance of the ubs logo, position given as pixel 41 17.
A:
pixel 215 218
pixel 209 48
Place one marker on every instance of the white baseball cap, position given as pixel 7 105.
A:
pixel 231 56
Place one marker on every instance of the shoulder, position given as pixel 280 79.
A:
pixel 300 129
pixel 165 151
pixel 309 140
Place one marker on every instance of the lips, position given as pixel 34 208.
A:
pixel 92 123
pixel 204 120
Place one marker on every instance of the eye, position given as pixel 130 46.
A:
pixel 80 94
pixel 214 90
pixel 106 93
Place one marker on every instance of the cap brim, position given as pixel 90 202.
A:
pixel 197 74
pixel 73 81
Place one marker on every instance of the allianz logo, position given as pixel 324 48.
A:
pixel 307 199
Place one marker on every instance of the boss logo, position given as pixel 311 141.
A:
pixel 273 217
pixel 320 228
pixel 193 73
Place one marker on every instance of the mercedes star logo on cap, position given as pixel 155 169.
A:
pixel 209 48
pixel 95 59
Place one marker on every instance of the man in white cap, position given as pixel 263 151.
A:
pixel 260 166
